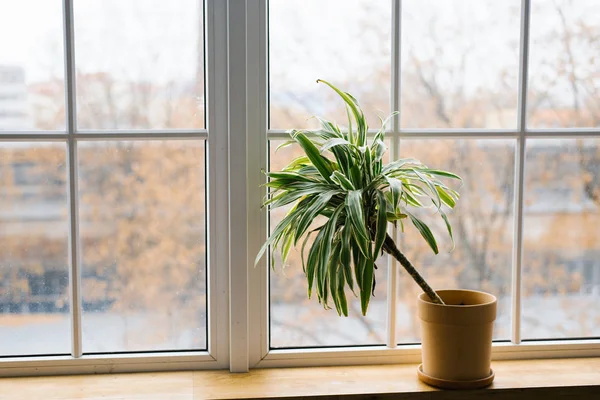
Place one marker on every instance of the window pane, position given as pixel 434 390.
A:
pixel 140 64
pixel 34 272
pixel 460 63
pixel 482 224
pixel 32 93
pixel 561 268
pixel 564 90
pixel 143 245
pixel 297 321
pixel 346 42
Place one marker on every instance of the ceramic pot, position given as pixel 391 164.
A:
pixel 457 337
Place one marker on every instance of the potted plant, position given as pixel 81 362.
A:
pixel 342 177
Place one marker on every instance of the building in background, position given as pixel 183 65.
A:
pixel 13 99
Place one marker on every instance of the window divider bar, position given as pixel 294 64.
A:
pixel 396 61
pixel 71 111
pixel 238 187
pixel 564 133
pixel 257 153
pixel 217 168
pixel 392 284
pixel 142 134
pixel 520 175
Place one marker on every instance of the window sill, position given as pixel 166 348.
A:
pixel 522 379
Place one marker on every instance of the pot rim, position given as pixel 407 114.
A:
pixel 422 296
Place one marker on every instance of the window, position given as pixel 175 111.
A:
pixel 133 136
pixel 458 72
pixel 104 179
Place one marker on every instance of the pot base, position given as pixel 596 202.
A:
pixel 445 384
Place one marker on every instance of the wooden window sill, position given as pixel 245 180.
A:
pixel 524 379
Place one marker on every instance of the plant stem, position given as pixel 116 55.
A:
pixel 390 247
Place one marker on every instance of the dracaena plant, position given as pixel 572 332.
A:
pixel 342 177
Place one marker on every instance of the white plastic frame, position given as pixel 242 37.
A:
pixel 217 160
pixel 391 352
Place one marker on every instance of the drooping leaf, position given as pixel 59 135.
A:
pixel 445 197
pixel 313 262
pixel 311 212
pixel 341 295
pixel 448 228
pixel 381 230
pixel 425 232
pixel 367 288
pixel 345 255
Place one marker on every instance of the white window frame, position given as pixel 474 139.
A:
pixel 258 136
pixel 216 140
pixel 238 337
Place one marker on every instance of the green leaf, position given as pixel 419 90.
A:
pixel 381 224
pixel 351 136
pixel 410 199
pixel 312 152
pixel 379 148
pixel 435 197
pixel 341 180
pixel 354 211
pixel 329 129
pixel 356 111
pixel 443 173
pixel 448 227
pixel 425 232
pixel 367 288
pixel 312 264
pixel 368 162
pixel 333 143
pixel 341 295
pixel 285 250
pixel 346 254
pixel 397 165
pixel 356 175
pixel 330 230
pixel 391 217
pixel 310 213
pixel 306 239
pixel 277 232
pixel 285 144
pixel 332 276
pixel 396 190
pixel 359 266
pixel 446 198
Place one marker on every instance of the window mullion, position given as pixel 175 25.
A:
pixel 392 284
pixel 257 105
pixel 520 173
pixel 238 187
pixel 217 178
pixel 74 254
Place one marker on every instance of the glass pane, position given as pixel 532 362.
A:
pixel 140 64
pixel 34 272
pixel 143 245
pixel 32 93
pixel 482 224
pixel 564 90
pixel 297 321
pixel 346 42
pixel 561 265
pixel 460 63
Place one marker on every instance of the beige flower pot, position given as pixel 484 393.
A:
pixel 457 338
